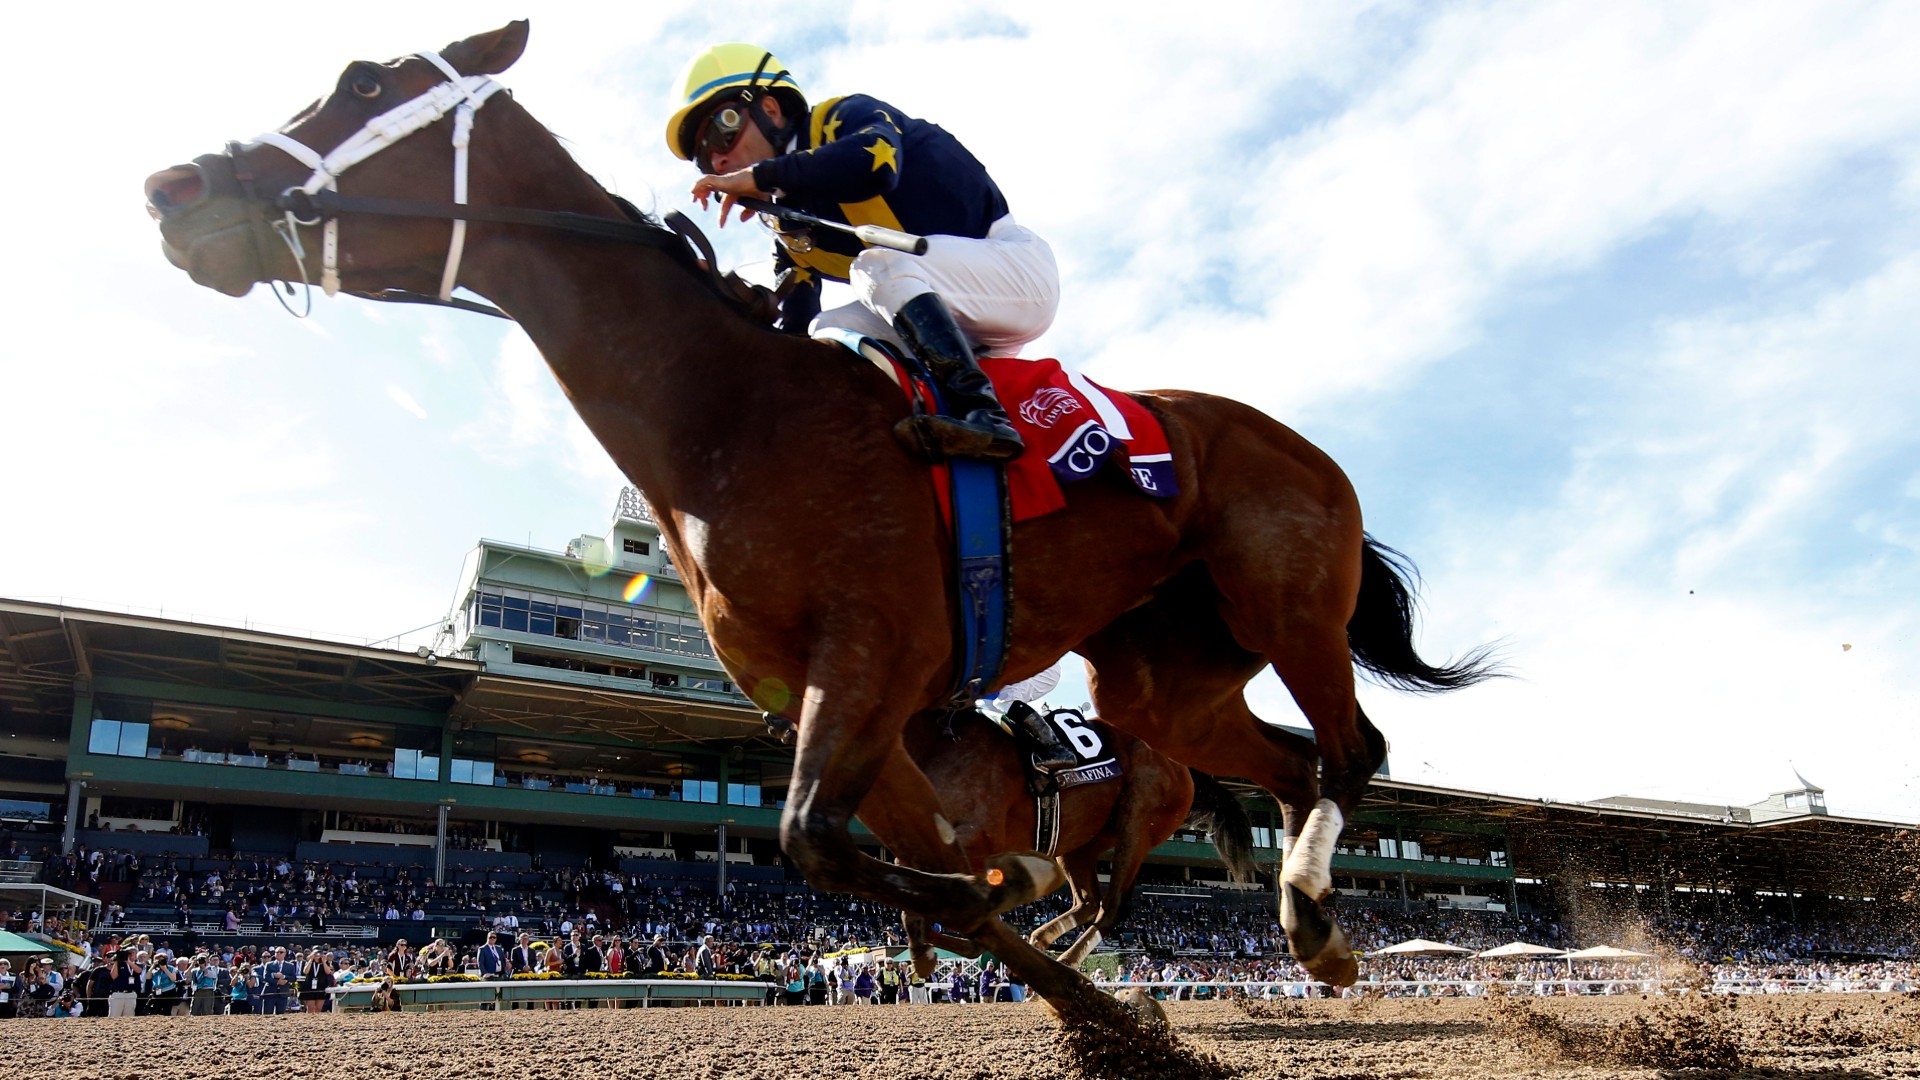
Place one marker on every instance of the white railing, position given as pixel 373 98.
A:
pixel 1536 987
pixel 247 929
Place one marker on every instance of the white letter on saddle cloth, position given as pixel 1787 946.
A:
pixel 1309 866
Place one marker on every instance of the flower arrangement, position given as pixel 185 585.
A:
pixel 537 976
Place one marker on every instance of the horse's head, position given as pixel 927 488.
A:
pixel 257 210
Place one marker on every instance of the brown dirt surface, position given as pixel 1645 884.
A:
pixel 1826 1036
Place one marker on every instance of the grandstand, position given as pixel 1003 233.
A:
pixel 569 713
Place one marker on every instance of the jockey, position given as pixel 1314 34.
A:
pixel 1010 712
pixel 744 121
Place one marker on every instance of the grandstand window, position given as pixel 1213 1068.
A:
pixel 13 810
pixel 117 738
pixel 415 765
pixel 715 686
pixel 566 620
pixel 487 608
pixel 466 771
pixel 120 808
pixel 634 547
pixel 700 791
pixel 104 737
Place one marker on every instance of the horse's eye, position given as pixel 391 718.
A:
pixel 364 85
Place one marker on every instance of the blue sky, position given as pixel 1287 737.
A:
pixel 1608 314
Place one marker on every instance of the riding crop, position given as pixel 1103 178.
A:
pixel 875 235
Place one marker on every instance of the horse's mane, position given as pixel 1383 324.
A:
pixel 679 249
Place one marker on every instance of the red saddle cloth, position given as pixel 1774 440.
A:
pixel 1073 428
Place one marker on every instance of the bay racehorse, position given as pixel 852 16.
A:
pixel 981 778
pixel 811 544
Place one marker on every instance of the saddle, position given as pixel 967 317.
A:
pixel 1097 765
pixel 1074 428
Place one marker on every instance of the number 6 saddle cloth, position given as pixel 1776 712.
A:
pixel 1089 740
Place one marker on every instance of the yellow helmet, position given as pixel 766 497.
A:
pixel 735 70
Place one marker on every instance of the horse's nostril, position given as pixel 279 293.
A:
pixel 171 189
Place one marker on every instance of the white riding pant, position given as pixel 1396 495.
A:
pixel 1004 290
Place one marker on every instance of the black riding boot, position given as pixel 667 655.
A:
pixel 927 326
pixel 1049 754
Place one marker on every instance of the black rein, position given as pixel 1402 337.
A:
pixel 667 237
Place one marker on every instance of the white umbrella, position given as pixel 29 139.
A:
pixel 1519 948
pixel 1608 952
pixel 1420 947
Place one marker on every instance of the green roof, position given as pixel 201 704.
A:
pixel 14 943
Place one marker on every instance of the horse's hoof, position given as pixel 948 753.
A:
pixel 1013 880
pixel 1317 941
pixel 1336 970
pixel 1142 1005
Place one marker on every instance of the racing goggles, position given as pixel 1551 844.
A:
pixel 720 133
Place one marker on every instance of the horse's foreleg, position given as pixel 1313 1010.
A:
pixel 918 945
pixel 1082 866
pixel 844 754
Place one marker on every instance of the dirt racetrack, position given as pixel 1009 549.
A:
pixel 1801 1036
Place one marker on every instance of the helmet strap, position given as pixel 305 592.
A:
pixel 777 136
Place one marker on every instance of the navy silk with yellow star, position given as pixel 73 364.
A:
pixel 864 162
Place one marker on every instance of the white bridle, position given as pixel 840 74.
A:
pixel 460 94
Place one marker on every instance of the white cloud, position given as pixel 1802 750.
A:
pixel 1675 611
pixel 399 396
pixel 1512 143
pixel 525 415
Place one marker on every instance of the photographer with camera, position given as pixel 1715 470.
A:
pixel 123 983
pixel 203 982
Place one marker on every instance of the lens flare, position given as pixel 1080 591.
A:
pixel 597 557
pixel 636 588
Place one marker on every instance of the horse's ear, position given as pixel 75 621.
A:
pixel 490 53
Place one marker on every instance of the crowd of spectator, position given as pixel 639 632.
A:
pixel 800 942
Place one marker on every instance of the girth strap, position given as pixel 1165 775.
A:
pixel 1046 823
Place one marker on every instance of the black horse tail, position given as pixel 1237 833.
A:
pixel 1381 630
pixel 1215 810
